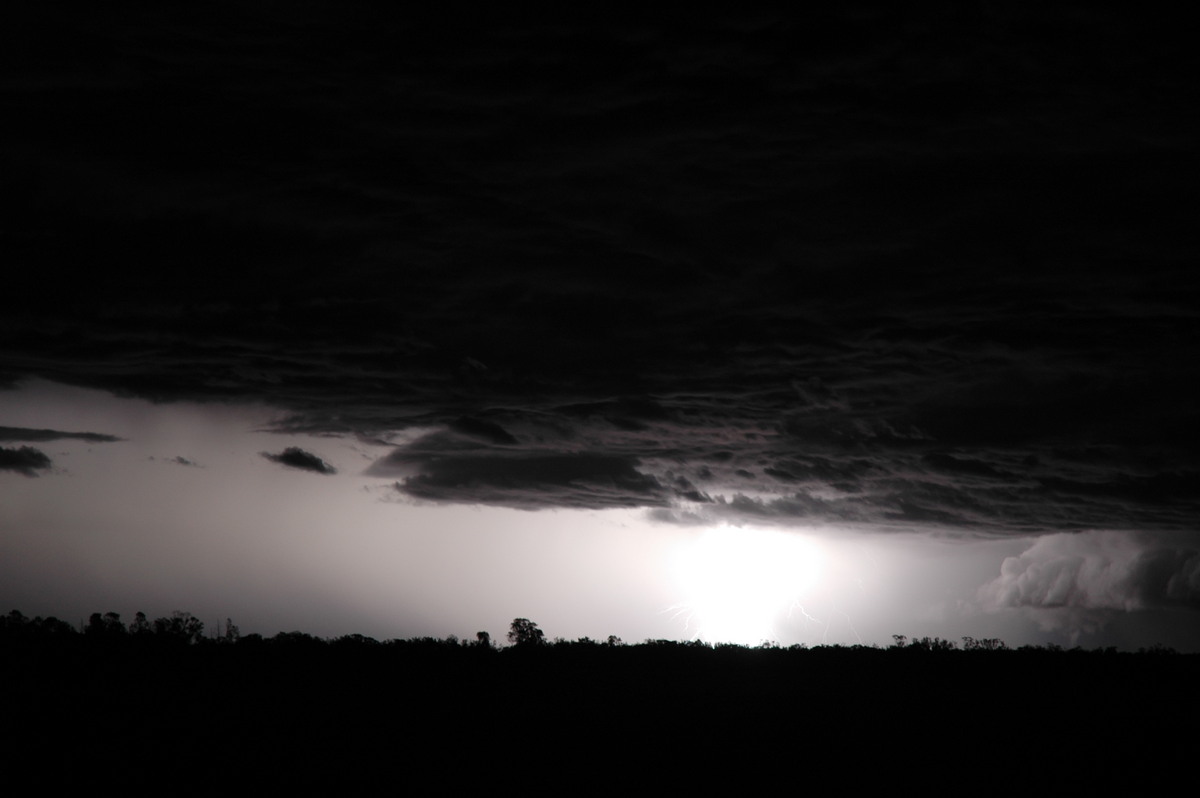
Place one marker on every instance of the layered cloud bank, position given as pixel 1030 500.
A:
pixel 854 268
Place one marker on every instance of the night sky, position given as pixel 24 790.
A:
pixel 814 328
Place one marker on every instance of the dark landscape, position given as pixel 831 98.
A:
pixel 163 706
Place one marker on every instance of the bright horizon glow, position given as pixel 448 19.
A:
pixel 737 582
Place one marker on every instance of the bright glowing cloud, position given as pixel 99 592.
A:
pixel 1099 570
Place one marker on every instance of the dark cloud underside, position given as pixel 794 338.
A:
pixel 24 460
pixel 857 265
pixel 460 465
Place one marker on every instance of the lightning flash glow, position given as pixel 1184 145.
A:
pixel 739 583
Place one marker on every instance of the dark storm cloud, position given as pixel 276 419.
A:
pixel 536 481
pixel 24 434
pixel 482 430
pixel 954 465
pixel 858 266
pixel 295 457
pixel 24 460
pixel 462 466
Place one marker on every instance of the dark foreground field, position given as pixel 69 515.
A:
pixel 155 713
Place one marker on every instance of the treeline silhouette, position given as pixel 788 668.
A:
pixel 161 706
pixel 184 629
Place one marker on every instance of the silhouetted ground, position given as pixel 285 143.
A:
pixel 156 713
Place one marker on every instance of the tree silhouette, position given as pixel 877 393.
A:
pixel 525 632
pixel 140 626
pixel 181 627
pixel 106 626
pixel 983 644
pixel 231 634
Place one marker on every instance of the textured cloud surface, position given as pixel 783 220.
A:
pixel 857 267
pixel 1098 570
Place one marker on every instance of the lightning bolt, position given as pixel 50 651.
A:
pixel 796 605
pixel 687 612
pixel 850 623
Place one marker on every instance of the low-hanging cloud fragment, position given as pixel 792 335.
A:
pixel 295 457
pixel 180 460
pixel 24 460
